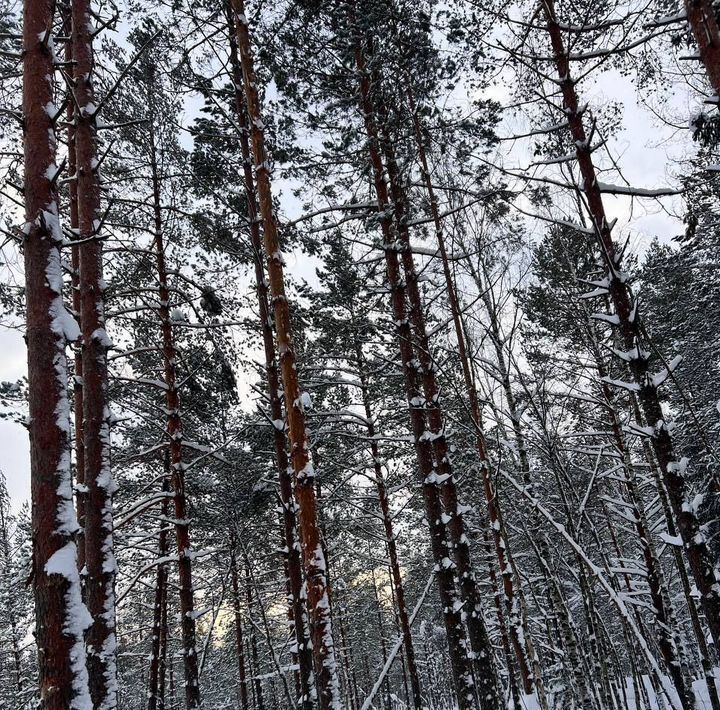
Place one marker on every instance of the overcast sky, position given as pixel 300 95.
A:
pixel 648 153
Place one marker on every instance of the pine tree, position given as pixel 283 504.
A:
pixel 61 617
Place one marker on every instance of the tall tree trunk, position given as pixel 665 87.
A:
pixel 160 595
pixel 477 633
pixel 61 617
pixel 73 223
pixel 627 321
pixel 396 575
pixel 704 25
pixel 304 475
pixel 175 438
pixel 240 647
pixel 285 472
pixel 517 632
pixel 100 564
pixel 459 661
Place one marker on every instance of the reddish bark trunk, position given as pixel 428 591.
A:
pixel 59 613
pixel 699 556
pixel 98 528
pixel 154 700
pixel 304 475
pixel 73 220
pixel 459 661
pixel 289 519
pixel 704 25
pixel 240 647
pixel 175 436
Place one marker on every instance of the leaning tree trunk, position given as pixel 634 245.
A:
pixel 174 434
pixel 289 518
pixel 627 320
pixel 99 558
pixel 61 617
pixel 304 475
